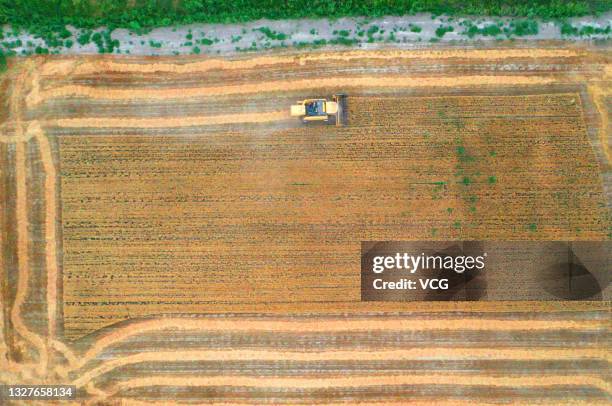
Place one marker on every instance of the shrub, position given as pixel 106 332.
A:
pixel 488 30
pixel 279 36
pixel 64 33
pixel 373 30
pixel 585 30
pixel 84 38
pixel 442 30
pixel 524 27
pixel 343 41
pixel 415 28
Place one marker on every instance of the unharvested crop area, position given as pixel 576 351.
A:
pixel 180 222
pixel 170 234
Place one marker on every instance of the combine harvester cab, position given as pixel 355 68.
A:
pixel 321 110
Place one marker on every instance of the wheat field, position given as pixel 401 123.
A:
pixel 170 235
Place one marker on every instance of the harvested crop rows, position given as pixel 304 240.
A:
pixel 164 192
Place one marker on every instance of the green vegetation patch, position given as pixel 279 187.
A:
pixel 442 30
pixel 84 38
pixel 517 28
pixel 488 30
pixel 584 31
pixel 48 20
pixel 105 43
pixel 145 14
pixel 415 28
pixel 523 27
pixel 343 41
pixel 271 34
pixel 2 61
pixel 205 41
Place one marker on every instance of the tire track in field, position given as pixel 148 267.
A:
pixel 166 122
pixel 599 94
pixel 21 140
pixel 413 402
pixel 22 258
pixel 28 73
pixel 10 366
pixel 365 381
pixel 69 67
pixel 51 261
pixel 341 355
pixel 286 85
pixel 50 188
pixel 4 351
pixel 330 326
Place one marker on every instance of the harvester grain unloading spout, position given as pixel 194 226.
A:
pixel 312 110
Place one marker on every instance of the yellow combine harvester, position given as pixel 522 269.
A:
pixel 312 110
